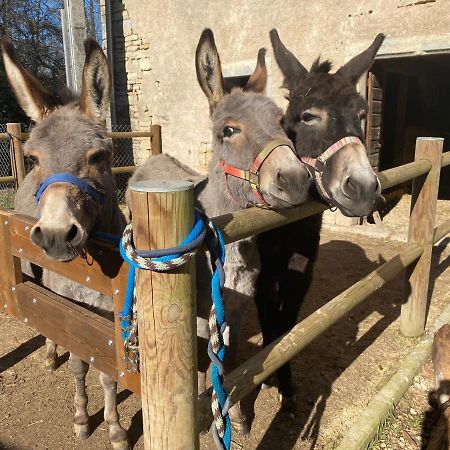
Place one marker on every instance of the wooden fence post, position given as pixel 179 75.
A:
pixel 163 214
pixel 421 230
pixel 156 139
pixel 11 271
pixel 16 152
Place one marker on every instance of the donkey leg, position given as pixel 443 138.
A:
pixel 117 435
pixel 79 370
pixel 231 340
pixel 50 355
pixel 293 290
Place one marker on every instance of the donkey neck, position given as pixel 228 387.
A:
pixel 216 198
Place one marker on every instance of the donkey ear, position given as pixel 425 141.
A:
pixel 209 70
pixel 354 69
pixel 291 67
pixel 32 97
pixel 257 81
pixel 96 83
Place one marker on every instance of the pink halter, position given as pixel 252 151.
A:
pixel 318 164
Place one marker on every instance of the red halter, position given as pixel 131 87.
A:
pixel 252 175
pixel 318 164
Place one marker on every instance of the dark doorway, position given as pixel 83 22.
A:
pixel 415 102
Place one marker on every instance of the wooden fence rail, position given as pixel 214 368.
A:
pixel 255 370
pixel 17 138
pixel 100 341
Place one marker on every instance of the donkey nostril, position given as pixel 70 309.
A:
pixel 349 188
pixel 72 234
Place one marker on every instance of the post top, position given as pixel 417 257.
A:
pixel 427 138
pixel 161 185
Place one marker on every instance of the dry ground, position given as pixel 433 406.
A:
pixel 336 375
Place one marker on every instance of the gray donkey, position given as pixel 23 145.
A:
pixel 70 137
pixel 246 131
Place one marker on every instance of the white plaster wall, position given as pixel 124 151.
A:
pixel 161 37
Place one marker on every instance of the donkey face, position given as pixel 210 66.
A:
pixel 244 123
pixel 323 109
pixel 69 137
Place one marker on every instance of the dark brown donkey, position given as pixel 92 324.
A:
pixel 323 119
pixel 70 137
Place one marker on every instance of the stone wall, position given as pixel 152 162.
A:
pixel 154 46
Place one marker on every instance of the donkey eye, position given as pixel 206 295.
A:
pixel 97 157
pixel 230 131
pixel 308 117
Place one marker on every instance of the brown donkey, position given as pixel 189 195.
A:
pixel 69 138
pixel 246 131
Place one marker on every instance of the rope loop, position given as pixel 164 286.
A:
pixel 164 261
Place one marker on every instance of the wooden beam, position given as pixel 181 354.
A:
pixel 11 272
pixel 95 270
pixel 156 139
pixel 16 151
pixel 123 169
pixel 128 134
pixel 421 225
pixel 162 216
pixel 73 327
pixel 257 369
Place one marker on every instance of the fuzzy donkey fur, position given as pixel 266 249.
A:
pixel 244 122
pixel 323 108
pixel 70 136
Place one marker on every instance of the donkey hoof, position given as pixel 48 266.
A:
pixel 81 430
pixel 241 428
pixel 288 405
pixel 50 365
pixel 120 445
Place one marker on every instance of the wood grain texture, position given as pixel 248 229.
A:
pixel 255 370
pixel 88 335
pixel 421 231
pixel 11 272
pixel 167 324
pixel 16 150
pixel 156 139
pixel 101 263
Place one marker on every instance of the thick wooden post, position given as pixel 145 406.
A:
pixel 16 151
pixel 163 214
pixel 156 139
pixel 421 230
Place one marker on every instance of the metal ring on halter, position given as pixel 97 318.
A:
pixel 252 175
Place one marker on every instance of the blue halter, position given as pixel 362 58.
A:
pixel 62 177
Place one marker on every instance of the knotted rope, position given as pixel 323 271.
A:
pixel 165 261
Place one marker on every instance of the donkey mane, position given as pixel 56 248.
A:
pixel 321 67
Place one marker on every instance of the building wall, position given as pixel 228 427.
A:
pixel 155 41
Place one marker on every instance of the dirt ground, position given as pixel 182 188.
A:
pixel 336 375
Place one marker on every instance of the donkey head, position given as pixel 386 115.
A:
pixel 323 109
pixel 247 134
pixel 70 151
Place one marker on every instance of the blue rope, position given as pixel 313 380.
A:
pixel 216 247
pixel 217 284
pixel 125 314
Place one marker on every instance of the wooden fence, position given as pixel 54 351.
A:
pixel 173 415
pixel 17 138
